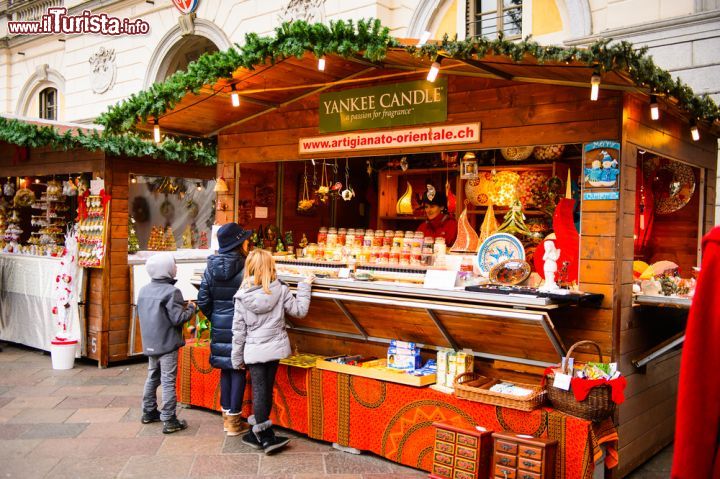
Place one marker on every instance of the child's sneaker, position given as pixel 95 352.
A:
pixel 152 416
pixel 174 425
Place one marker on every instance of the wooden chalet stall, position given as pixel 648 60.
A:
pixel 517 104
pixel 105 311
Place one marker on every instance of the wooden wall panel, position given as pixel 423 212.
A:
pixel 647 417
pixel 117 271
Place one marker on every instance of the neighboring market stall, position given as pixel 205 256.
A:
pixel 528 141
pixel 56 176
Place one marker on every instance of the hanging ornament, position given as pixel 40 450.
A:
pixel 505 188
pixel 8 188
pixel 469 167
pixel 451 199
pixel 324 187
pixel 305 203
pixel 467 239
pixel 404 204
pixel 489 225
pixel 348 193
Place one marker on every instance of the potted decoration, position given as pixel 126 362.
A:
pixel 63 347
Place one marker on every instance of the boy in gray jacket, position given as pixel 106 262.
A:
pixel 162 311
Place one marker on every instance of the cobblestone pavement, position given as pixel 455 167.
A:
pixel 85 423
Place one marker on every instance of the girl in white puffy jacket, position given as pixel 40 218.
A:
pixel 260 340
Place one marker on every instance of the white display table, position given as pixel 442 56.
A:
pixel 26 285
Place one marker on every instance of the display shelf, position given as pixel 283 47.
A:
pixel 403 218
pixel 663 301
pixel 421 171
pixel 503 211
pixel 383 374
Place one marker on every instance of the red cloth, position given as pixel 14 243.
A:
pixel 581 388
pixel 697 425
pixel 567 241
pixel 442 226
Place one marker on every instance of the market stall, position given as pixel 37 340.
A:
pixel 61 178
pixel 527 141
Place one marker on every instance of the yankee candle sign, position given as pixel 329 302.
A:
pixel 408 103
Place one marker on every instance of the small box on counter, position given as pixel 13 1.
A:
pixel 403 355
pixel 451 364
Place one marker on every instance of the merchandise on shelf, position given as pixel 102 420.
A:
pixel 91 232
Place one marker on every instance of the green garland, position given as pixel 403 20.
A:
pixel 369 39
pixel 128 144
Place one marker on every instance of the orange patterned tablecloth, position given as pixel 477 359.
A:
pixel 199 385
pixel 393 420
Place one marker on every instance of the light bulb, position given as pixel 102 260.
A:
pixel 694 131
pixel 321 63
pixel 156 132
pixel 198 185
pixel 235 97
pixel 133 179
pixel 434 70
pixel 654 108
pixel 594 86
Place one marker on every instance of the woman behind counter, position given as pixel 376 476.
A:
pixel 220 282
pixel 439 223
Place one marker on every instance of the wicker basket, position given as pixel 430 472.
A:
pixel 596 407
pixel 474 387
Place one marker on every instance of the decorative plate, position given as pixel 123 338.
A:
pixel 674 187
pixel 498 248
pixel 510 272
pixel 516 153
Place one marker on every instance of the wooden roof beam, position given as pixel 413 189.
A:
pixel 288 102
pixel 487 69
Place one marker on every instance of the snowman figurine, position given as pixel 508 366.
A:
pixel 550 257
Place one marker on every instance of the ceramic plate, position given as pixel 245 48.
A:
pixel 510 272
pixel 498 248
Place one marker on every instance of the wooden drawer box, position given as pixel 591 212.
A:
pixel 517 456
pixel 461 453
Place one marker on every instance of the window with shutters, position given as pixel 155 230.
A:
pixel 486 18
pixel 48 104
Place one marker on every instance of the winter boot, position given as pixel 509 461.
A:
pixel 267 438
pixel 250 439
pixel 236 425
pixel 225 420
pixel 174 425
pixel 152 416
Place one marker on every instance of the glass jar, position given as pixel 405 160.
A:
pixel 350 237
pixel 379 238
pixel 359 237
pixel 388 239
pixel 405 257
pixel 322 235
pixel 408 241
pixel 342 236
pixel 418 239
pixel 384 255
pixel 398 239
pixel 332 237
pixel 439 247
pixel 368 238
pixel 311 250
pixel 428 245
pixel 416 256
pixel 320 252
pixel 394 257
pixel 374 254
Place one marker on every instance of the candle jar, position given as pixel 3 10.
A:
pixel 342 237
pixel 388 239
pixel 322 235
pixel 378 238
pixel 398 239
pixel 408 241
pixel 332 237
pixel 368 238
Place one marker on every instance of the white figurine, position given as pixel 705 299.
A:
pixel 550 267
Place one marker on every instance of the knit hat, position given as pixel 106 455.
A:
pixel 432 196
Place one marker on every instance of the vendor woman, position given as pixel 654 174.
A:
pixel 439 224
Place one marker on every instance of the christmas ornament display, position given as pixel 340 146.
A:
pixel 505 188
pixel 514 221
pixel 549 152
pixel 91 231
pixel 516 153
pixel 478 190
pixel 133 244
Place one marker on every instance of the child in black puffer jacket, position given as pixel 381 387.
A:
pixel 221 281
